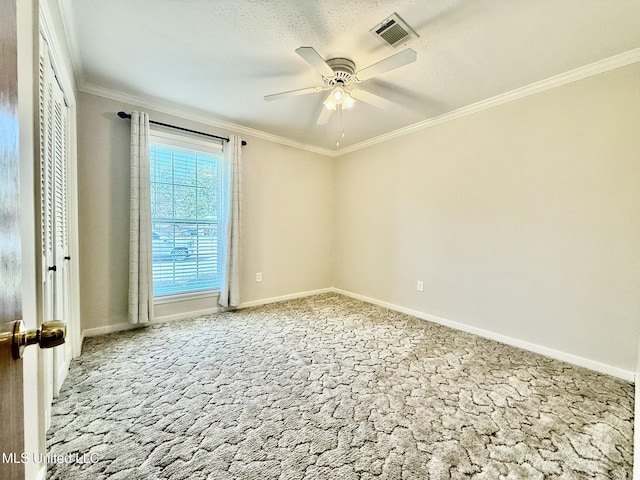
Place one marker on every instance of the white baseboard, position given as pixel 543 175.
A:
pixel 117 327
pixel 532 347
pixel 120 327
pixel 292 296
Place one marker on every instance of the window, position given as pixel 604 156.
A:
pixel 186 205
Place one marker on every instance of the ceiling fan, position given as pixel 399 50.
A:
pixel 340 76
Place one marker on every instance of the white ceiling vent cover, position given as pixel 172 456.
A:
pixel 394 31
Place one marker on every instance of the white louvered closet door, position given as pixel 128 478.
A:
pixel 54 219
pixel 61 354
pixel 47 80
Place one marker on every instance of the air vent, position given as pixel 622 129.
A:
pixel 394 31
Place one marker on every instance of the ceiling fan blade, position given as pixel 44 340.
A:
pixel 314 59
pixel 292 93
pixel 371 99
pixel 324 116
pixel 390 63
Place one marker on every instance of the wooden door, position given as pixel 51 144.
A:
pixel 11 374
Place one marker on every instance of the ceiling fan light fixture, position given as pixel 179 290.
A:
pixel 329 104
pixel 348 101
pixel 338 94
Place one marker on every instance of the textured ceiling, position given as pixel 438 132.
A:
pixel 220 57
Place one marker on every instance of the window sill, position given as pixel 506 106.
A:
pixel 185 297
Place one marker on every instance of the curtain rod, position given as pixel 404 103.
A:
pixel 128 115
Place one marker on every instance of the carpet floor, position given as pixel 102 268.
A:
pixel 328 387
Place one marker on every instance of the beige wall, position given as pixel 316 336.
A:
pixel 286 215
pixel 523 220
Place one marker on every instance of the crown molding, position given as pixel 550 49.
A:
pixel 601 66
pixel 199 116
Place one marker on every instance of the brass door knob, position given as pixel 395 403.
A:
pixel 50 334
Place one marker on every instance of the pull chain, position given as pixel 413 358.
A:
pixel 339 127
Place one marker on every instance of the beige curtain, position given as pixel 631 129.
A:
pixel 230 290
pixel 140 273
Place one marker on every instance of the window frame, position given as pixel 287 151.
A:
pixel 188 142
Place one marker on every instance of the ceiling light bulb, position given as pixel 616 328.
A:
pixel 329 104
pixel 348 101
pixel 337 95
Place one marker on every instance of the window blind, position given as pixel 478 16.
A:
pixel 186 201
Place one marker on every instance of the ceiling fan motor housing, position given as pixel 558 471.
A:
pixel 343 69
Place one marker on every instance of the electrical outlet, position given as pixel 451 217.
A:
pixel 259 277
pixel 420 286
